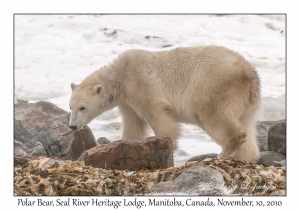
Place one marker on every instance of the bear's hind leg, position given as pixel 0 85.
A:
pixel 134 127
pixel 249 151
pixel 229 134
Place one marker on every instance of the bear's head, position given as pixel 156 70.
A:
pixel 87 102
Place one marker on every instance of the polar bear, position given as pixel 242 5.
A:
pixel 209 86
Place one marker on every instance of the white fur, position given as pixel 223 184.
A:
pixel 212 87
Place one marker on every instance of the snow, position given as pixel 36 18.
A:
pixel 51 51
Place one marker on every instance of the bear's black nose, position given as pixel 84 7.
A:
pixel 73 127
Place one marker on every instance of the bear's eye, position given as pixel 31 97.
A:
pixel 82 108
pixel 70 107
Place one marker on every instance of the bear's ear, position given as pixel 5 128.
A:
pixel 73 86
pixel 98 89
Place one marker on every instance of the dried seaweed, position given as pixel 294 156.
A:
pixel 51 176
pixel 247 178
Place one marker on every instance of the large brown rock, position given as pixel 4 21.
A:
pixel 156 151
pixel 42 129
pixel 277 137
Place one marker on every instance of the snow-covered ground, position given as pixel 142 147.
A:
pixel 51 51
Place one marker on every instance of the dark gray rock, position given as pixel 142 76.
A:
pixel 270 158
pixel 277 137
pixel 203 157
pixel 42 129
pixel 262 128
pixel 280 163
pixel 103 140
pixel 196 180
pixel 180 152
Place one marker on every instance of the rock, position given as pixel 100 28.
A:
pixel 196 180
pixel 262 128
pixel 180 152
pixel 112 126
pixel 271 136
pixel 279 163
pixel 18 102
pixel 103 140
pixel 156 151
pixel 202 157
pixel 270 158
pixel 277 137
pixel 42 129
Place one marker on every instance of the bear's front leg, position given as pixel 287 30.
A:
pixel 134 127
pixel 162 120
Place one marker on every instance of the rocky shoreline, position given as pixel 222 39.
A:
pixel 51 160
